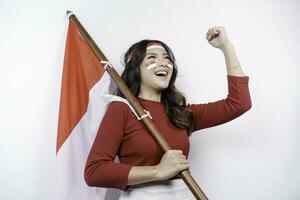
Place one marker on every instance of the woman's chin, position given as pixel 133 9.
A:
pixel 162 87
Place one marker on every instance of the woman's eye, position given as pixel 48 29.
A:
pixel 151 57
pixel 167 57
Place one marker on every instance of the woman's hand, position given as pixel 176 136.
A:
pixel 172 162
pixel 217 37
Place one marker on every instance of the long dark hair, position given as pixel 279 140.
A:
pixel 173 100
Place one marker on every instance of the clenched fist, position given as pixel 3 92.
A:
pixel 172 162
pixel 217 37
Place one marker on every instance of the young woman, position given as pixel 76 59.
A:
pixel 145 171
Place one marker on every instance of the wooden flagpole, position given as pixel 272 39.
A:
pixel 185 174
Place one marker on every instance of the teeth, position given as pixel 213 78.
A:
pixel 161 73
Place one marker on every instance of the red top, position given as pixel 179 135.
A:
pixel 120 133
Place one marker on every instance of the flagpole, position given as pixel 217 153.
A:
pixel 185 174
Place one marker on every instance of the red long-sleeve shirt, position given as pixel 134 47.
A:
pixel 120 133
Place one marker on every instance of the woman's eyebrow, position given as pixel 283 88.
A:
pixel 157 54
pixel 152 53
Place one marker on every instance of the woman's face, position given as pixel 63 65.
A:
pixel 156 69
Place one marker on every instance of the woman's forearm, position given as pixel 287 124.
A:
pixel 232 63
pixel 142 174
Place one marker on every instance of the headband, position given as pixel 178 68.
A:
pixel 151 45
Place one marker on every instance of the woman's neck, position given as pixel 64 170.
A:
pixel 150 96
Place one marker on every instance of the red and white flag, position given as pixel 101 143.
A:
pixel 85 95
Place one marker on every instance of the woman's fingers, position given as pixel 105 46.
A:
pixel 181 156
pixel 181 160
pixel 214 33
pixel 184 166
pixel 178 155
pixel 208 34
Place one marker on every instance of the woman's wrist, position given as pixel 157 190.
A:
pixel 228 47
pixel 233 66
pixel 158 175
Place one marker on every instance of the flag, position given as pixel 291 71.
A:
pixel 85 95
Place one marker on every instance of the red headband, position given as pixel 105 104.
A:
pixel 148 45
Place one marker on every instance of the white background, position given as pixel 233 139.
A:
pixel 253 157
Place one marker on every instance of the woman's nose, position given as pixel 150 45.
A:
pixel 162 62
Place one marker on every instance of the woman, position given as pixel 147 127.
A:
pixel 145 171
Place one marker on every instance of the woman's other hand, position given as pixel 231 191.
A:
pixel 172 162
pixel 217 37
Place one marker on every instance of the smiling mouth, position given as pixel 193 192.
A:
pixel 161 73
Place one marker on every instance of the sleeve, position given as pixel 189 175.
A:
pixel 100 169
pixel 238 101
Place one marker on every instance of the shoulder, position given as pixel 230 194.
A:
pixel 118 105
pixel 118 108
